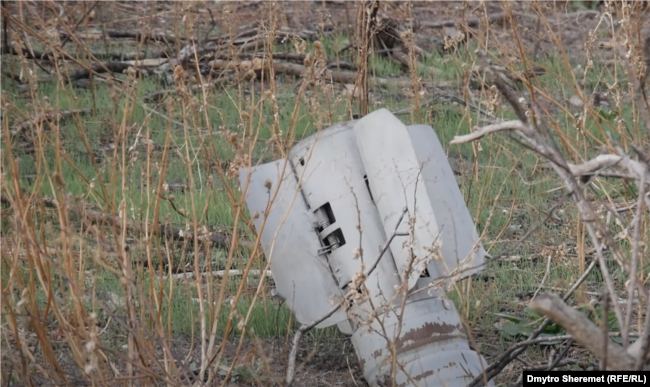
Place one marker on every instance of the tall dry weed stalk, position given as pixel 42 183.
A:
pixel 58 326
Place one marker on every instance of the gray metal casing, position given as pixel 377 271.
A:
pixel 405 166
pixel 429 340
pixel 302 277
pixel 355 178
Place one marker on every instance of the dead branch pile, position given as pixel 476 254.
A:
pixel 214 59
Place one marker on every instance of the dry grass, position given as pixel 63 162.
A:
pixel 113 174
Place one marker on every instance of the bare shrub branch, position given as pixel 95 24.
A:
pixel 583 331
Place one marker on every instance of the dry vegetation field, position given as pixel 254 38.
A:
pixel 129 258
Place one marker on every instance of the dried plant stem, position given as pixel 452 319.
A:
pixel 636 227
pixel 548 269
pixel 515 350
pixel 556 309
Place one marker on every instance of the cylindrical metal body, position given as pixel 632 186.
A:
pixel 427 346
pixel 339 200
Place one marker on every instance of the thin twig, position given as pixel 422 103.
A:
pixel 558 359
pixel 514 351
pixel 291 366
pixel 69 36
pixel 383 248
pixel 636 227
pixel 604 321
pixel 486 130
pixel 548 269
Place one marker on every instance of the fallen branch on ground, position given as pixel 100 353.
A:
pixel 157 96
pixel 335 76
pixel 583 331
pixel 175 233
pixel 46 117
pixel 297 58
pixel 111 56
pixel 599 235
pixel 114 67
pixel 216 273
pixel 471 22
pixel 115 34
pixel 246 37
pixel 28 53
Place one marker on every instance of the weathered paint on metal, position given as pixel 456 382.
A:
pixel 426 334
pixel 407 166
pixel 331 172
pixel 358 175
pixel 302 277
pixel 431 347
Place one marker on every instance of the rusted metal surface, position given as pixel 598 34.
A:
pixel 360 175
pixel 428 333
pixel 432 346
